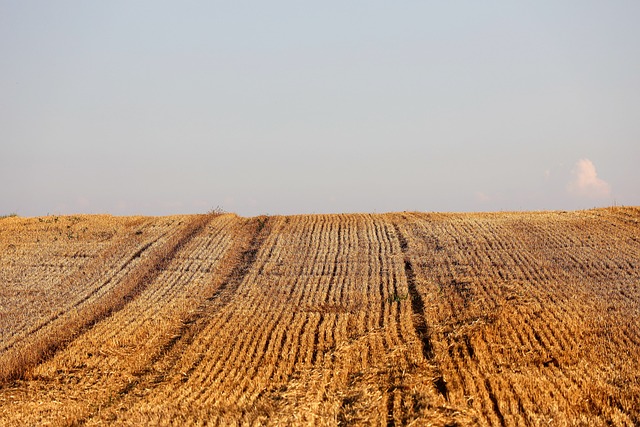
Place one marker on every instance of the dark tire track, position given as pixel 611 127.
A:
pixel 419 320
pixel 242 256
pixel 417 303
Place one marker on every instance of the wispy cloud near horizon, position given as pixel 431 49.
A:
pixel 585 182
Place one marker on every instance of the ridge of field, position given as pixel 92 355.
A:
pixel 491 319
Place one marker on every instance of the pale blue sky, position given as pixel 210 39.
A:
pixel 285 107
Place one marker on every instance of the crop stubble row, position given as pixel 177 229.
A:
pixel 489 319
pixel 109 352
pixel 515 327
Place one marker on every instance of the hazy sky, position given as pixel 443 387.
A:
pixel 281 107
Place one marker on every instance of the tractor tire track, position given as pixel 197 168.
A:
pixel 419 321
pixel 235 265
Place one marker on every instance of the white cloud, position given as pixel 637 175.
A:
pixel 585 182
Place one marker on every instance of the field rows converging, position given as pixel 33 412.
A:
pixel 516 324
pixel 396 319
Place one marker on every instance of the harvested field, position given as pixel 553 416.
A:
pixel 498 319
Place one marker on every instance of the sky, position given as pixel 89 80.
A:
pixel 292 107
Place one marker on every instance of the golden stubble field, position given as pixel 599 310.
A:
pixel 499 319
